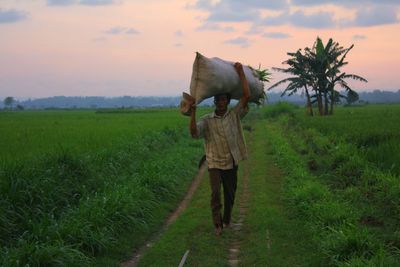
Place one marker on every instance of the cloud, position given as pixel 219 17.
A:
pixel 60 2
pixel 131 31
pixel 121 30
pixel 81 2
pixel 254 29
pixel 276 35
pixel 228 10
pixel 359 37
pixel 318 20
pixel 211 26
pixel 240 41
pixel 97 2
pixel 12 16
pixel 344 3
pixel 373 16
pixel 368 13
pixel 239 5
pixel 179 33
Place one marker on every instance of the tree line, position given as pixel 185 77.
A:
pixel 93 102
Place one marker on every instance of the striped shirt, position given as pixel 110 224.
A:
pixel 223 138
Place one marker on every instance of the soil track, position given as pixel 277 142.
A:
pixel 234 249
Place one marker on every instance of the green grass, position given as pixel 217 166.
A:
pixel 289 242
pixel 348 202
pixel 193 231
pixel 373 129
pixel 80 188
pixel 272 236
pixel 30 134
pixel 91 206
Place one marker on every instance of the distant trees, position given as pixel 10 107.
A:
pixel 8 101
pixel 317 71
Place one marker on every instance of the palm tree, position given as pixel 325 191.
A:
pixel 318 68
pixel 326 62
pixel 299 67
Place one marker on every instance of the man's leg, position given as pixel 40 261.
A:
pixel 229 181
pixel 215 183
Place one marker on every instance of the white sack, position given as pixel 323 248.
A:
pixel 211 76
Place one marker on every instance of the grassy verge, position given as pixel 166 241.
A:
pixel 271 235
pixel 339 196
pixel 68 209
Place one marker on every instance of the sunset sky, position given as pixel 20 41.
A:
pixel 147 47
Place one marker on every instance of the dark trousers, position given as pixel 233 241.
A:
pixel 228 178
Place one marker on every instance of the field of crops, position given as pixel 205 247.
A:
pixel 343 179
pixel 374 130
pixel 33 133
pixel 85 188
pixel 82 187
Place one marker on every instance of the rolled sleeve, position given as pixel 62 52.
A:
pixel 200 128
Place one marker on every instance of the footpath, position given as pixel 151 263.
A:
pixel 263 232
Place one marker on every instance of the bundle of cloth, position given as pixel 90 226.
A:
pixel 212 76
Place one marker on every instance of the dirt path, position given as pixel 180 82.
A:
pixel 233 258
pixel 134 260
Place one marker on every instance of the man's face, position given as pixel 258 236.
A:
pixel 221 103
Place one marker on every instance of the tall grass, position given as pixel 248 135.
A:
pixel 349 202
pixel 374 129
pixel 68 207
pixel 30 134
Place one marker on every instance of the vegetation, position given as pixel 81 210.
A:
pixel 319 69
pixel 32 134
pixel 8 101
pixel 342 194
pixel 86 188
pixel 78 207
pixel 269 235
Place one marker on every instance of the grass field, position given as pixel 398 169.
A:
pixel 374 130
pixel 346 196
pixel 82 188
pixel 34 133
pixel 87 188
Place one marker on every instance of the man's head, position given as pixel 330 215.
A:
pixel 222 101
pixel 223 96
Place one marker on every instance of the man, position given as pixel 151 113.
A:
pixel 225 147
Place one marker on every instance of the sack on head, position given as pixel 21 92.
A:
pixel 212 76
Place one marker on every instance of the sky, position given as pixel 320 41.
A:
pixel 147 47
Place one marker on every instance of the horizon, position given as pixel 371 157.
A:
pixel 276 91
pixel 113 48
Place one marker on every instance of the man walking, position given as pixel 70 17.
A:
pixel 225 147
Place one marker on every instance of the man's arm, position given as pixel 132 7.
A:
pixel 244 100
pixel 193 126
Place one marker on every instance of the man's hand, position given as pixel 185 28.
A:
pixel 245 86
pixel 238 67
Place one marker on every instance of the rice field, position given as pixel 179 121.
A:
pixel 373 129
pixel 343 179
pixel 33 133
pixel 87 187
pixel 84 188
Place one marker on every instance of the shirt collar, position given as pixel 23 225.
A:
pixel 214 115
